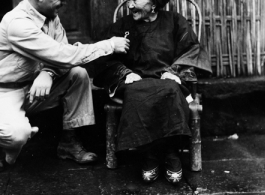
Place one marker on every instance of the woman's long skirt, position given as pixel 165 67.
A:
pixel 152 109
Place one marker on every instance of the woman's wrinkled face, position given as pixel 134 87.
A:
pixel 141 9
pixel 50 8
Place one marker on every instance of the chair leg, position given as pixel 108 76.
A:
pixel 111 129
pixel 195 151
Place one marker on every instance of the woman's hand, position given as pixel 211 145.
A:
pixel 168 75
pixel 132 77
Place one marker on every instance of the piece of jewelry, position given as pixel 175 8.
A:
pixel 126 34
pixel 51 74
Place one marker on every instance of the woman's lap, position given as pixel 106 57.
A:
pixel 152 109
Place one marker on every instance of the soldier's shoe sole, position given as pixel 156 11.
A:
pixel 62 154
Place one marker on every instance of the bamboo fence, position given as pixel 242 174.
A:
pixel 233 32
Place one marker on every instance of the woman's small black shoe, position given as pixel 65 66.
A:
pixel 173 177
pixel 173 169
pixel 150 176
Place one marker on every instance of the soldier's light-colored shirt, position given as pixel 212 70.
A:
pixel 29 42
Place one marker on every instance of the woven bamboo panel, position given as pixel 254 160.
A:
pixel 234 35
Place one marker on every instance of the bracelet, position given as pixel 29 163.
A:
pixel 51 74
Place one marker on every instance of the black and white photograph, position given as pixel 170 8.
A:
pixel 132 97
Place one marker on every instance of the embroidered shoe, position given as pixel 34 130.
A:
pixel 173 177
pixel 150 176
pixel 173 170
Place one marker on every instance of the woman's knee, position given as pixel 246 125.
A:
pixel 171 84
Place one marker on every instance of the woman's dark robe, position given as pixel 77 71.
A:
pixel 152 108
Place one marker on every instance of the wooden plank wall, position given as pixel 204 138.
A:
pixel 233 31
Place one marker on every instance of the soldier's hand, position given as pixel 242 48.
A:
pixel 121 44
pixel 41 87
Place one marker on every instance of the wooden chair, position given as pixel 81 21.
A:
pixel 113 109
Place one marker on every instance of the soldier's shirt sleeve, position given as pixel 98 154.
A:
pixel 28 40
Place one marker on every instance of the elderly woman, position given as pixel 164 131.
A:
pixel 151 81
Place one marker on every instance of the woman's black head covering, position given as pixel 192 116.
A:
pixel 161 3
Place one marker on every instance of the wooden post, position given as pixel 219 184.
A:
pixel 112 113
pixel 233 35
pixel 258 40
pixel 195 150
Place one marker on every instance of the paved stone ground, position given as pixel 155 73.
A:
pixel 229 167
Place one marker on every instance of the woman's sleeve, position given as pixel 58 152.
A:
pixel 112 69
pixel 188 51
pixel 113 73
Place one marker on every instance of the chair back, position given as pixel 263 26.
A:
pixel 188 8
